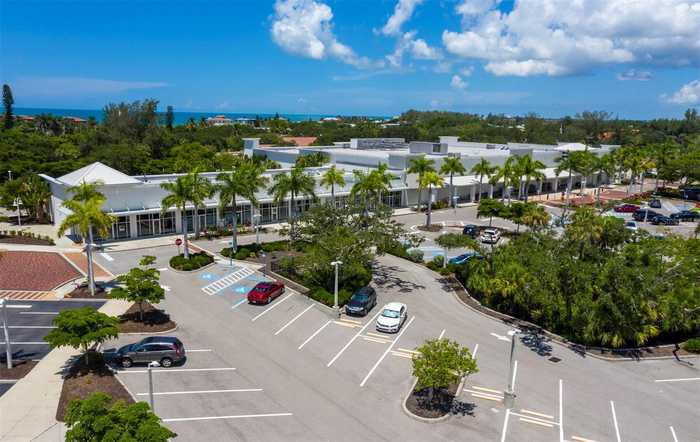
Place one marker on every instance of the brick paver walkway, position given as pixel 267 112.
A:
pixel 27 295
pixel 80 260
pixel 34 271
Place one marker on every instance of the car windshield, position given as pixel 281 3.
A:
pixel 264 288
pixel 631 224
pixel 359 297
pixel 390 313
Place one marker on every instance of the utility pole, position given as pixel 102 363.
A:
pixel 509 394
pixel 8 348
pixel 336 307
pixel 153 364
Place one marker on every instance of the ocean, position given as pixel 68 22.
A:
pixel 180 117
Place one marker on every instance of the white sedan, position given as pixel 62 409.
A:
pixel 392 317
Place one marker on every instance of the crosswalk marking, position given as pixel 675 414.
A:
pixel 227 281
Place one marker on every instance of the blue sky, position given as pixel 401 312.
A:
pixel 356 56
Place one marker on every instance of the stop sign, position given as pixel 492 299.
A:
pixel 178 241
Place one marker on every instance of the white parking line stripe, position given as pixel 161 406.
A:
pixel 174 370
pixel 8 381
pixel 346 325
pixel 375 335
pixel 408 350
pixel 272 306
pixel 546 416
pixel 546 421
pixel 677 380
pixel 200 350
pixel 352 339
pixel 107 257
pixel 26 343
pixel 476 348
pixel 561 410
pixel 238 416
pixel 487 390
pixel 442 333
pixel 544 424
pixel 352 321
pixel 505 425
pixel 405 327
pixel 614 416
pixel 371 339
pixel 402 355
pixel 673 433
pixel 581 439
pixel 515 372
pixel 38 313
pixel 31 326
pixel 19 306
pixel 314 335
pixel 168 393
pixel 162 269
pixel 293 319
pixel 242 301
pixel 488 397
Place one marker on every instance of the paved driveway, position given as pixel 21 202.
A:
pixel 296 373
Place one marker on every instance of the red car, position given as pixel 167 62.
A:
pixel 626 208
pixel 265 292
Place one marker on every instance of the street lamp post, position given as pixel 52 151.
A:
pixel 18 203
pixel 509 394
pixel 336 307
pixel 8 348
pixel 151 366
pixel 256 220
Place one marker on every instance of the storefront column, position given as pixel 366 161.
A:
pixel 178 221
pixel 473 194
pixel 133 227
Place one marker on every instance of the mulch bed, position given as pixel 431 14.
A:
pixel 19 369
pixel 83 292
pixel 431 228
pixel 443 403
pixel 154 320
pixel 81 381
pixel 7 239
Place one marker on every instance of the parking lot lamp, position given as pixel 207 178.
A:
pixel 8 349
pixel 18 203
pixel 153 364
pixel 509 394
pixel 336 307
pixel 256 221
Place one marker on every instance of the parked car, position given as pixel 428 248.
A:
pixel 490 236
pixel 665 220
pixel 686 215
pixel 361 302
pixel 655 203
pixel 265 292
pixel 471 230
pixel 166 350
pixel 631 225
pixel 644 215
pixel 626 208
pixel 464 257
pixel 392 317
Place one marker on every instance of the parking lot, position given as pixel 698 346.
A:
pixel 28 323
pixel 291 371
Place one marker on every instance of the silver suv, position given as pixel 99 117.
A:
pixel 164 349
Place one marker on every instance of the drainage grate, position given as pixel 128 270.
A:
pixel 554 359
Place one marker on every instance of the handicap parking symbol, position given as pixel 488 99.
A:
pixel 241 289
pixel 207 276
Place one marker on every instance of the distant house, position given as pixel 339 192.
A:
pixel 330 119
pixel 301 141
pixel 219 120
pixel 76 120
pixel 246 121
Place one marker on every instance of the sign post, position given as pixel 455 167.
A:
pixel 178 242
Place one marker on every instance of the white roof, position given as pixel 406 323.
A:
pixel 571 147
pixel 97 172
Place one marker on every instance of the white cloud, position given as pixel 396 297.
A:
pixel 304 27
pixel 563 37
pixel 416 47
pixel 687 94
pixel 634 74
pixel 402 13
pixel 467 71
pixel 458 83
pixel 420 50
pixel 78 86
pixel 443 67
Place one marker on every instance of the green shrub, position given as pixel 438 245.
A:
pixel 325 297
pixel 196 261
pixel 692 345
pixel 416 255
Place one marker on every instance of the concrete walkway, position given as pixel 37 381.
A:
pixel 28 409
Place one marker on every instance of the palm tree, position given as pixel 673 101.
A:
pixel 296 182
pixel 333 177
pixel 507 173
pixel 567 163
pixel 483 169
pixel 633 162
pixel 245 180
pixel 35 195
pixel 362 187
pixel 202 189
pixel 535 217
pixel 531 170
pixel 452 166
pixel 431 179
pixel 421 166
pixel 381 181
pixel 87 216
pixel 585 166
pixel 647 164
pixel 604 165
pixel 180 193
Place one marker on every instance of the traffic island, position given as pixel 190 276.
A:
pixel 196 261
pixel 19 369
pixel 83 292
pixel 154 320
pixel 82 379
pixel 431 228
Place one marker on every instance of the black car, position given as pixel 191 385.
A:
pixel 686 215
pixel 471 230
pixel 665 220
pixel 644 214
pixel 164 349
pixel 361 302
pixel 655 203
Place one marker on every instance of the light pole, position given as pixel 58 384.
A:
pixel 509 394
pixel 256 220
pixel 336 307
pixel 9 173
pixel 153 364
pixel 8 349
pixel 18 203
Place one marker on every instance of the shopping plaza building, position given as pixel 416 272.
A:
pixel 135 201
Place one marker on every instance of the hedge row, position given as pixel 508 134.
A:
pixel 244 252
pixel 196 261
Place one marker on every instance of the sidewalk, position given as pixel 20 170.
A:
pixel 28 409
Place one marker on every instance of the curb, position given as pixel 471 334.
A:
pixel 151 333
pixel 189 272
pixel 428 420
